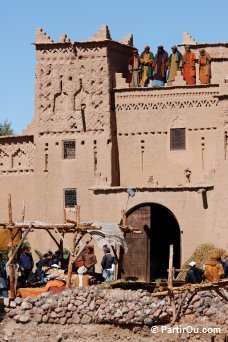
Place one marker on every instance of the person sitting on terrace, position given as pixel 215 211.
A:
pixel 194 275
pixel 225 261
pixel 213 268
pixel 26 264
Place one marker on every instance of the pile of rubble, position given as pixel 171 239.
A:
pixel 120 307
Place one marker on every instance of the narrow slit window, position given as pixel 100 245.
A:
pixel 177 139
pixel 69 149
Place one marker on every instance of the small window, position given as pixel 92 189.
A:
pixel 177 139
pixel 70 198
pixel 69 149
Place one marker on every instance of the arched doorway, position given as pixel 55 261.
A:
pixel 148 253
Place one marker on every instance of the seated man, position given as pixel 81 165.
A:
pixel 194 275
pixel 40 264
pixel 213 268
pixel 225 260
pixel 26 264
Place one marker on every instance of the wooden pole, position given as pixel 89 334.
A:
pixel 64 215
pixel 54 239
pixel 11 267
pixel 170 272
pixel 23 211
pixel 18 246
pixel 180 305
pixel 124 217
pixel 64 242
pixel 73 257
pixel 77 215
pixel 10 210
pixel 170 283
pixel 61 252
pixel 114 249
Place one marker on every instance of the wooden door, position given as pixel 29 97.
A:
pixel 136 261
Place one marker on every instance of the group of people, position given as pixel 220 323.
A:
pixel 51 264
pixel 24 265
pixel 147 70
pixel 88 260
pixel 214 269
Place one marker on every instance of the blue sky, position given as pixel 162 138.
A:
pixel 151 22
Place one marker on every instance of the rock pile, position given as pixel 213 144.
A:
pixel 123 307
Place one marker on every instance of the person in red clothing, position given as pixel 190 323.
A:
pixel 188 66
pixel 90 259
pixel 134 69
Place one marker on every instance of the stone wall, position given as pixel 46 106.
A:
pixel 117 306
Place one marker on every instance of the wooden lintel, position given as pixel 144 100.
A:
pixel 130 229
pixel 89 228
pixel 83 227
pixel 54 226
pixel 194 287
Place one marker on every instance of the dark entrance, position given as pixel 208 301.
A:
pixel 148 253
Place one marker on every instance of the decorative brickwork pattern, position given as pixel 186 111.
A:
pixel 74 95
pixel 16 158
pixel 151 100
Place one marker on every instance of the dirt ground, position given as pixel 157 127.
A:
pixel 31 332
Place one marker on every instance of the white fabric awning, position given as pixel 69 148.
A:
pixel 110 233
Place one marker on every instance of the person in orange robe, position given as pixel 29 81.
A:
pixel 204 67
pixel 213 268
pixel 188 66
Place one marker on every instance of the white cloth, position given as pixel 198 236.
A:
pixel 110 233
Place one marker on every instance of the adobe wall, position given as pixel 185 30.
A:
pixel 185 202
pixel 122 139
pixel 144 120
pixel 221 164
pixel 73 100
pixel 17 174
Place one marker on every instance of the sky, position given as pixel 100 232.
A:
pixel 151 23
